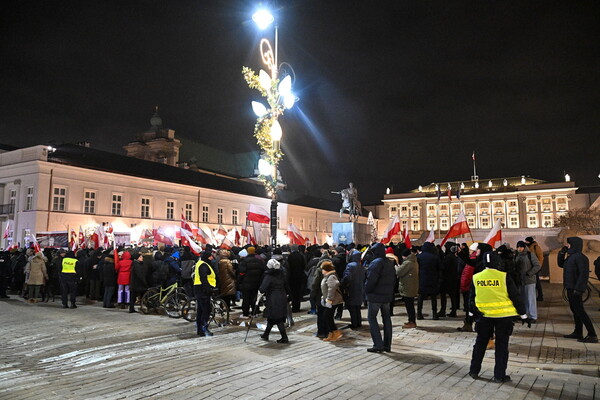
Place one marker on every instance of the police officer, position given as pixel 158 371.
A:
pixel 205 280
pixel 68 279
pixel 495 302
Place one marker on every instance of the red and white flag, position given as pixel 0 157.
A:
pixel 392 229
pixel 202 236
pixel 237 237
pixel 161 236
pixel 36 245
pixel 495 234
pixel 258 214
pixel 6 230
pixel 431 236
pixel 406 237
pixel 98 236
pixel 221 231
pixel 186 238
pixel 81 238
pixel 294 234
pixel 315 241
pixel 73 240
pixel 226 244
pixel 184 224
pixel 460 227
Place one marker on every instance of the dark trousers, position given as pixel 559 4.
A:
pixel 134 295
pixel 355 316
pixel 280 325
pixel 372 313
pixel 68 288
pixel 444 301
pixel 485 328
pixel 109 292
pixel 322 325
pixel 94 292
pixel 249 300
pixel 4 281
pixel 433 304
pixel 538 286
pixel 579 315
pixel 409 303
pixel 339 309
pixel 202 309
pixel 296 298
pixel 328 318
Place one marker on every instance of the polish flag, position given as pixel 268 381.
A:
pixel 222 231
pixel 237 238
pixel 315 241
pixel 184 224
pixel 98 236
pixel 6 230
pixel 460 227
pixel 161 236
pixel 194 247
pixel 226 244
pixel 406 237
pixel 495 234
pixel 81 238
pixel 306 241
pixel 431 236
pixel 392 229
pixel 202 236
pixel 36 245
pixel 245 232
pixel 258 214
pixel 73 240
pixel 295 235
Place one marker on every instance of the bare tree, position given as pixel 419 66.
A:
pixel 585 221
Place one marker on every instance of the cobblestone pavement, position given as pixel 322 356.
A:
pixel 95 353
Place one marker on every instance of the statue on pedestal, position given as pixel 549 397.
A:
pixel 350 202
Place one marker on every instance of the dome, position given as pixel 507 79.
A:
pixel 156 120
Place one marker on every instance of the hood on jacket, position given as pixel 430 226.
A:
pixel 378 250
pixel 491 260
pixel 354 256
pixel 428 247
pixel 126 255
pixel 576 244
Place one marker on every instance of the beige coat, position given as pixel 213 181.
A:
pixel 36 270
pixel 408 274
pixel 329 288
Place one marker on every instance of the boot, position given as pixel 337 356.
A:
pixel 491 345
pixel 265 336
pixel 337 334
pixel 435 316
pixel 467 327
pixel 441 314
pixel 452 314
pixel 284 337
pixel 420 316
pixel 329 337
pixel 409 325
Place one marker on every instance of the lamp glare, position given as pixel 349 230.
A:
pixel 263 18
pixel 264 167
pixel 276 131
pixel 264 79
pixel 259 109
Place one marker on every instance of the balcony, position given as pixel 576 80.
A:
pixel 7 209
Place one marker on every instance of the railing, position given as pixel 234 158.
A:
pixel 7 209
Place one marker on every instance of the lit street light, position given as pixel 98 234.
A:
pixel 267 130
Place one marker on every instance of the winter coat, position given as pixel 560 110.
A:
pixel 339 262
pixel 108 274
pixel 430 269
pixel 354 280
pixel 381 277
pixel 408 274
pixel 36 269
pixel 123 269
pixel 251 273
pixel 139 277
pixel 227 284
pixel 528 265
pixel 330 289
pixel 450 279
pixel 187 266
pixel 274 288
pixel 317 276
pixel 576 266
pixel 535 248
pixel 297 276
pixel 466 278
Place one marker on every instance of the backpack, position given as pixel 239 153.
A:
pixel 160 272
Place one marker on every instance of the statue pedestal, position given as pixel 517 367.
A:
pixel 350 232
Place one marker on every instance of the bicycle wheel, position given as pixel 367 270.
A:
pixel 149 302
pixel 219 312
pixel 174 303
pixel 564 295
pixel 188 312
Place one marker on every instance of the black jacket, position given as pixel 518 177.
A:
pixel 430 268
pixel 576 266
pixel 276 291
pixel 251 273
pixel 381 277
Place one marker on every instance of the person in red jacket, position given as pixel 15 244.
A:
pixel 123 269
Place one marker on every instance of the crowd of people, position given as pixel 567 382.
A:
pixel 334 278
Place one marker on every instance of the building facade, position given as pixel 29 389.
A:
pixel 59 190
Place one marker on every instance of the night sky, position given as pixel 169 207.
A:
pixel 391 93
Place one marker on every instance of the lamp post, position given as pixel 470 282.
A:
pixel 267 130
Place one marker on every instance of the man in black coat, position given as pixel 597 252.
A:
pixel 430 269
pixel 379 288
pixel 576 272
pixel 450 281
pixel 138 284
pixel 250 277
pixel 297 277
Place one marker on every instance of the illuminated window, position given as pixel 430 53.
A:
pixel 532 222
pixel 170 209
pixel 29 199
pixel 219 215
pixel 234 217
pixel 145 208
pixel 116 204
pixel 59 198
pixel 205 213
pixel 189 207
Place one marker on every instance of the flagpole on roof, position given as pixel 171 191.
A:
pixel 474 177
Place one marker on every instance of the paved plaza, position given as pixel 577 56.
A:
pixel 94 353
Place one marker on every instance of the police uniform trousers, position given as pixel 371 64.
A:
pixel 202 308
pixel 485 328
pixel 68 288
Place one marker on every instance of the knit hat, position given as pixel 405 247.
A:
pixel 389 250
pixel 273 264
pixel 529 239
pixel 473 247
pixel 406 253
pixel 251 250
pixel 521 243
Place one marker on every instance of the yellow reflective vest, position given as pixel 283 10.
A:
pixel 212 278
pixel 68 265
pixel 491 294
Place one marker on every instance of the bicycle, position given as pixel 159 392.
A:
pixel 586 295
pixel 219 312
pixel 171 299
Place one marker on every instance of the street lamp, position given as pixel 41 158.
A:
pixel 267 130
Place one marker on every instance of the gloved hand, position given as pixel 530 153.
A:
pixel 525 320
